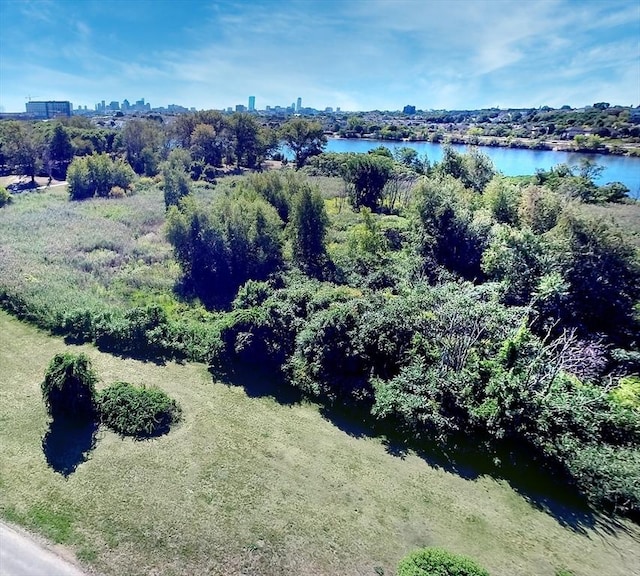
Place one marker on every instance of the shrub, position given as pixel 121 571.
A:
pixel 222 247
pixel 69 386
pixel 117 192
pixel 97 175
pixel 5 196
pixel 176 185
pixel 627 393
pixel 447 230
pixel 137 411
pixel 438 562
pixel 366 176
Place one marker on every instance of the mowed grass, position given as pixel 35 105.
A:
pixel 246 485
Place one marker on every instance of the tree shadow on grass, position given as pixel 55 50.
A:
pixel 68 443
pixel 258 382
pixel 545 487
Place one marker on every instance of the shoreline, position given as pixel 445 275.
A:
pixel 624 150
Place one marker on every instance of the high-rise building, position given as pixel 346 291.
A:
pixel 298 104
pixel 49 109
pixel 252 103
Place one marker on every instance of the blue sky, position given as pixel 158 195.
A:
pixel 356 54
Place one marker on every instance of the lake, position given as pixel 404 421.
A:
pixel 513 161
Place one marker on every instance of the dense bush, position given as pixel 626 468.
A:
pixel 68 388
pixel 219 249
pixel 438 562
pixel 602 272
pixel 518 258
pixel 448 231
pixel 474 169
pixel 308 231
pixel 96 175
pixel 5 196
pixel 529 358
pixel 366 176
pixel 137 411
pixel 328 361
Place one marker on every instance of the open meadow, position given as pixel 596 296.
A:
pixel 248 484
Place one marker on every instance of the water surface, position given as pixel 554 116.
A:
pixel 513 161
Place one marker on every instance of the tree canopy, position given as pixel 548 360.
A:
pixel 304 137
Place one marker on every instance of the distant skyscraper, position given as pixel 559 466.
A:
pixel 252 103
pixel 298 104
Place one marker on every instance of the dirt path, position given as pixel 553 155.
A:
pixel 21 555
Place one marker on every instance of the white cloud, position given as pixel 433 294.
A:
pixel 353 54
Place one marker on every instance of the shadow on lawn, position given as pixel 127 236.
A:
pixel 543 486
pixel 258 382
pixel 68 443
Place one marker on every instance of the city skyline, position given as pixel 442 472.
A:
pixel 354 55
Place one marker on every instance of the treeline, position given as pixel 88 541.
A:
pixel 601 128
pixel 212 139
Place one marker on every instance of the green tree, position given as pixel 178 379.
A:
pixel 308 230
pixel 328 360
pixel 176 185
pixel 366 176
pixel 518 258
pixel 452 163
pixel 366 239
pixel 59 151
pixel 96 175
pixel 219 249
pixel 410 158
pixel 176 179
pixel 304 137
pixel 68 388
pixel 603 273
pixel 479 170
pixel 356 124
pixel 251 142
pixel 539 208
pixel 144 145
pixel 474 168
pixel 502 198
pixel 208 145
pixel 22 148
pixel 448 232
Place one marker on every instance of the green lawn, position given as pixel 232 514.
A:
pixel 247 485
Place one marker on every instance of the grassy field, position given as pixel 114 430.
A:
pixel 248 484
pixel 627 216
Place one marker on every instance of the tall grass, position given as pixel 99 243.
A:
pixel 56 254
